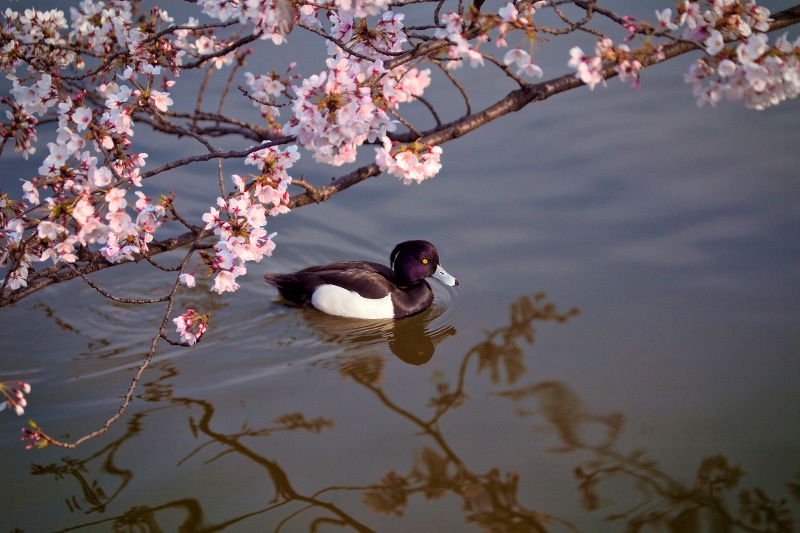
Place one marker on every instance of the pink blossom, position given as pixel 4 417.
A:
pixel 522 59
pixel 589 68
pixel 14 396
pixel 225 281
pixel 160 100
pixel 751 49
pixel 100 177
pixel 116 199
pixel 714 43
pixel 92 230
pixel 411 164
pixel 211 218
pixel 18 278
pixel 508 12
pixel 726 67
pixel 82 117
pixel 82 210
pixel 191 326
pixel 31 193
pixel 64 250
pixel 665 19
pixel 49 230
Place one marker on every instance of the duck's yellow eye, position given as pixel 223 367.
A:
pixel 424 261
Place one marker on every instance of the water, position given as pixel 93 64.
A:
pixel 670 230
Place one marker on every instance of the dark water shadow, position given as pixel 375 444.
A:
pixel 489 497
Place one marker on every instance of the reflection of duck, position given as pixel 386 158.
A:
pixel 362 289
pixel 412 340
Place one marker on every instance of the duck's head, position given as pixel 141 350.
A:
pixel 413 261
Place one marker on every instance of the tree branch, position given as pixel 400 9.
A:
pixel 440 134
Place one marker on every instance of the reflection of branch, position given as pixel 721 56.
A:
pixel 231 443
pixel 283 487
pixel 92 492
pixel 665 502
pixel 492 354
pixel 490 498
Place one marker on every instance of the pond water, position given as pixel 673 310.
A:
pixel 621 353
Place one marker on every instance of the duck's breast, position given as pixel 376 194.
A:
pixel 336 300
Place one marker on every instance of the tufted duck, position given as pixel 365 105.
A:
pixel 362 289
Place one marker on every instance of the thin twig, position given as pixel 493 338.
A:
pixel 117 298
pixel 128 398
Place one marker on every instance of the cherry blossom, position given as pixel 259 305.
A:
pixel 414 163
pixel 588 67
pixel 33 436
pixel 265 90
pixel 334 113
pixel 665 19
pixel 271 19
pixel 455 32
pixel 191 326
pixel 239 221
pixel 714 43
pixel 187 279
pixel 160 100
pixel 522 60
pixel 116 199
pixel 748 68
pixel 14 394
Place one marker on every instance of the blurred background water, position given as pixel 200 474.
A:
pixel 622 352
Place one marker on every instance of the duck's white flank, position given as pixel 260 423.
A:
pixel 336 300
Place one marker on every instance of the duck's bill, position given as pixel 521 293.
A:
pixel 442 275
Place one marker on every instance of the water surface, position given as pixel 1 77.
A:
pixel 622 351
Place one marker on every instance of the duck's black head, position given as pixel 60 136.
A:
pixel 413 261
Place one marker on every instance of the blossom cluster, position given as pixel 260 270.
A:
pixel 79 194
pixel 334 113
pixel 740 63
pixel 352 101
pixel 271 19
pixel 191 326
pixel 458 28
pixel 413 163
pixel 239 220
pixel 14 394
pixel 86 201
pixel 265 89
pixel 590 68
pixel 348 104
pixel 33 436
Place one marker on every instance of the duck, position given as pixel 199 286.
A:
pixel 367 290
